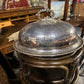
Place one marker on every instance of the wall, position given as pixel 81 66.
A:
pixel 1 2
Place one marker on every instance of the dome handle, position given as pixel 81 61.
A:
pixel 51 15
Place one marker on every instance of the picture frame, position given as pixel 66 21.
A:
pixel 66 6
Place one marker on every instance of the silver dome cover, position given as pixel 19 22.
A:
pixel 48 37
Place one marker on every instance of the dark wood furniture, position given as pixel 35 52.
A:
pixel 27 15
pixel 4 79
pixel 66 9
pixel 9 16
pixel 78 15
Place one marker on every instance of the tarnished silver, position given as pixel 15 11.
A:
pixel 48 37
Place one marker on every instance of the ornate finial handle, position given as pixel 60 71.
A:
pixel 45 10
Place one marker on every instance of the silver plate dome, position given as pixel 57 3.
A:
pixel 48 37
pixel 41 39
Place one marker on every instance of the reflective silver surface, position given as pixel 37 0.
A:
pixel 48 37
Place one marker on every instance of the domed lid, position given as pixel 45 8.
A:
pixel 48 37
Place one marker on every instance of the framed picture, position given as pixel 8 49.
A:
pixel 14 4
pixel 58 6
pixel 61 8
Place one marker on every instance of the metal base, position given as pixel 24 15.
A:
pixel 75 80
